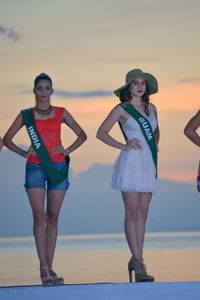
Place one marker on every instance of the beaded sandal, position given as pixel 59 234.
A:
pixel 57 280
pixel 47 279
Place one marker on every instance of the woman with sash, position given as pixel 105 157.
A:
pixel 46 168
pixel 135 169
pixel 191 132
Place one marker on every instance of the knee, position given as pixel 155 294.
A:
pixel 52 219
pixel 132 215
pixel 143 214
pixel 39 218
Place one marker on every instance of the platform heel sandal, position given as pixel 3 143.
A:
pixel 47 279
pixel 57 280
pixel 148 277
pixel 131 269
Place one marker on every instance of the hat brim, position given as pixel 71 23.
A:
pixel 151 82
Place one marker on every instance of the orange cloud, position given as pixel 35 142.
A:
pixel 179 97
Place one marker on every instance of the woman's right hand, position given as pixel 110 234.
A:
pixel 133 144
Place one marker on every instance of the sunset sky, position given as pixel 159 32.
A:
pixel 87 47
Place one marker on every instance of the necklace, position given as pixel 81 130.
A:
pixel 139 105
pixel 44 112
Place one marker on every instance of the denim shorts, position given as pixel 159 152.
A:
pixel 36 177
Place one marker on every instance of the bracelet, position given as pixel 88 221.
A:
pixel 67 151
pixel 22 153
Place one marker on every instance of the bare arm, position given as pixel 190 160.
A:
pixel 191 127
pixel 14 128
pixel 81 135
pixel 103 132
pixel 1 144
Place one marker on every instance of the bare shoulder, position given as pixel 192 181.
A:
pixel 153 107
pixel 65 112
pixel 118 113
pixel 66 115
pixel 18 120
pixel 117 108
pixel 68 119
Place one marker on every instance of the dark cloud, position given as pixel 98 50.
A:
pixel 88 94
pixel 27 91
pixel 67 94
pixel 189 79
pixel 9 33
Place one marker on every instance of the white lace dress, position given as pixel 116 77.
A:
pixel 134 170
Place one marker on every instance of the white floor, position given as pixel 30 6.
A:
pixel 104 291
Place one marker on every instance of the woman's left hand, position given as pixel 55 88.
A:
pixel 59 149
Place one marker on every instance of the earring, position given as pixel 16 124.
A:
pixel 143 99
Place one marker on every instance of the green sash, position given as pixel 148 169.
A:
pixel 145 127
pixel 55 176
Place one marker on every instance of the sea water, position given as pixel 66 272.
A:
pixel 104 242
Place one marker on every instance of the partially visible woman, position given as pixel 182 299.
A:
pixel 1 144
pixel 46 168
pixel 191 132
pixel 191 128
pixel 135 169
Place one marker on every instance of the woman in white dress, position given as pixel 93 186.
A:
pixel 135 168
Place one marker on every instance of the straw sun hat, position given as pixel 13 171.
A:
pixel 151 82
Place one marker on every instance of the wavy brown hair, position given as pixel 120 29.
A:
pixel 125 95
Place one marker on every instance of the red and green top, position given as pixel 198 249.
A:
pixel 49 131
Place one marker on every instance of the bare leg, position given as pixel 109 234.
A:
pixel 136 210
pixel 144 201
pixel 36 198
pixel 54 202
pixel 131 204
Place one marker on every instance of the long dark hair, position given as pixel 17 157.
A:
pixel 125 95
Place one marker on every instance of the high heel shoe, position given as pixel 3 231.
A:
pixel 139 267
pixel 131 264
pixel 46 278
pixel 148 277
pixel 57 280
